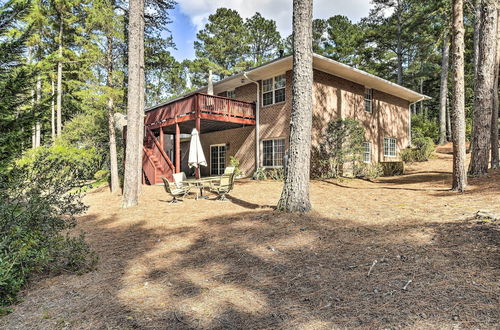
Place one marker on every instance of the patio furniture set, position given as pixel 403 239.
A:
pixel 182 186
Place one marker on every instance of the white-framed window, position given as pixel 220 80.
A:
pixel 273 152
pixel 231 94
pixel 273 90
pixel 368 100
pixel 389 147
pixel 217 159
pixel 367 152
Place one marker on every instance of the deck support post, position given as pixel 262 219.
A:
pixel 162 139
pixel 177 148
pixel 198 128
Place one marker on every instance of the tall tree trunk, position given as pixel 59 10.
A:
pixel 477 24
pixel 53 112
pixel 448 120
pixel 399 44
pixel 38 129
pixel 483 90
pixel 142 95
pixel 113 158
pixel 59 78
pixel 494 113
pixel 443 90
pixel 33 111
pixel 422 109
pixel 295 194
pixel 458 110
pixel 134 111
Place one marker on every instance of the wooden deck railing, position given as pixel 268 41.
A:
pixel 203 106
pixel 155 161
pixel 217 105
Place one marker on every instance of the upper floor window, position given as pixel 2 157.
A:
pixel 273 90
pixel 389 147
pixel 273 152
pixel 367 152
pixel 231 94
pixel 368 99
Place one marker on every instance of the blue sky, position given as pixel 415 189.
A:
pixel 184 33
pixel 189 16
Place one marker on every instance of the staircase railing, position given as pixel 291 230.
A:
pixel 148 167
pixel 163 166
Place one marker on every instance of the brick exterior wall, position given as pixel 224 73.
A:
pixel 333 98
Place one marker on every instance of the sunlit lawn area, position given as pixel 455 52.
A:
pixel 397 252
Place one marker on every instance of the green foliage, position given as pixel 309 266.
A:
pixel 263 39
pixel 15 79
pixel 422 127
pixel 235 162
pixel 337 38
pixel 101 175
pixel 341 143
pixel 421 152
pixel 393 168
pixel 276 174
pixel 260 174
pixel 38 205
pixel 223 42
pixel 368 171
pixel 77 164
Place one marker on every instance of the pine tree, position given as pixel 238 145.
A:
pixel 134 104
pixel 483 91
pixel 263 39
pixel 458 107
pixel 223 42
pixel 495 162
pixel 16 82
pixel 443 93
pixel 295 194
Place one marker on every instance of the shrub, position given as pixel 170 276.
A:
pixel 393 168
pixel 39 201
pixel 101 175
pixel 260 174
pixel 368 171
pixel 341 143
pixel 276 174
pixel 422 127
pixel 235 162
pixel 421 152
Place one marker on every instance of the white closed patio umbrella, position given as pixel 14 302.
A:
pixel 196 155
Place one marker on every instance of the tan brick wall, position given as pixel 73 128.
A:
pixel 334 97
pixel 274 123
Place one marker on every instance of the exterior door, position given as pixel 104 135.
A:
pixel 217 159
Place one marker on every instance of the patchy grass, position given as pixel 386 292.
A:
pixel 398 252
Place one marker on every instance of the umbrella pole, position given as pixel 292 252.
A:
pixel 197 173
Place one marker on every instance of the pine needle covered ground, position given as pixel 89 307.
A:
pixel 399 252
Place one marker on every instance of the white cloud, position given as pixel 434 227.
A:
pixel 279 10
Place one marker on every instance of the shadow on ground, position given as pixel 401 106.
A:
pixel 263 269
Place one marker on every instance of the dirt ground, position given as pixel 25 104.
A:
pixel 400 252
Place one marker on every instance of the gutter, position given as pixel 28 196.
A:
pixel 257 123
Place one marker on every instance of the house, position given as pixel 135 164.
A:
pixel 233 123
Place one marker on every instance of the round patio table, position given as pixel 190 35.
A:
pixel 201 184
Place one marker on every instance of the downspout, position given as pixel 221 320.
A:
pixel 257 123
pixel 409 119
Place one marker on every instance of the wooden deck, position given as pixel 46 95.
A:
pixel 200 106
pixel 206 113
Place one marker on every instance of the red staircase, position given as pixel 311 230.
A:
pixel 155 162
